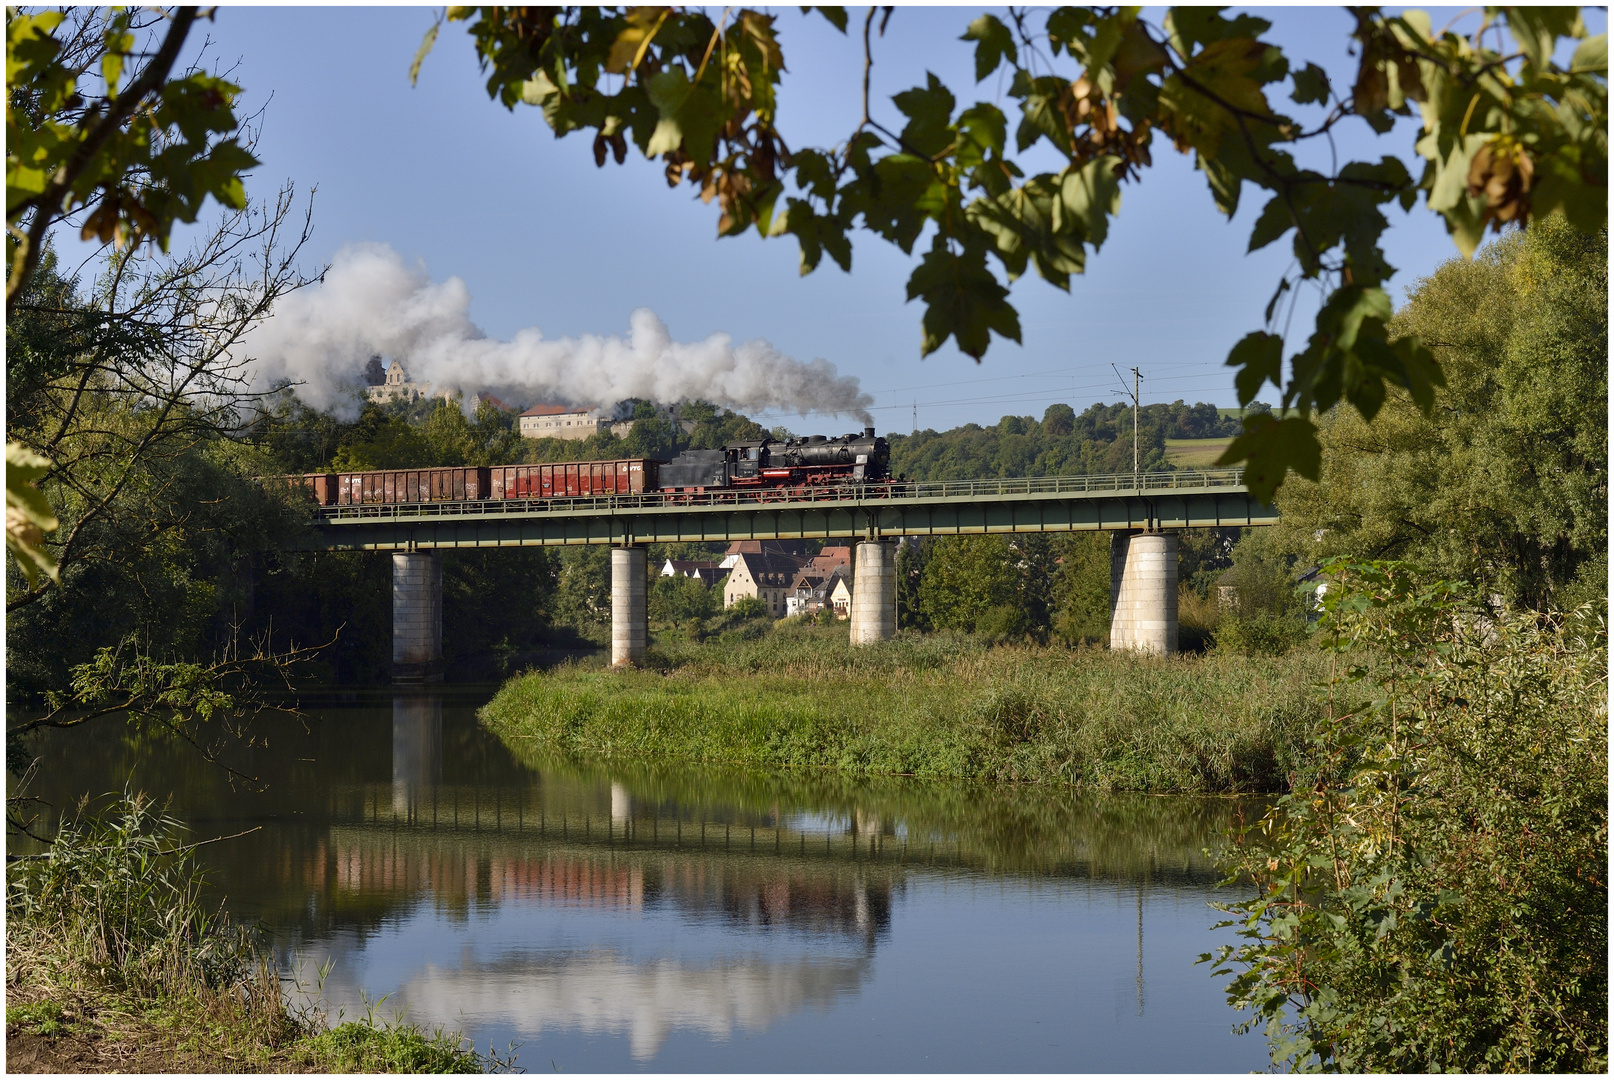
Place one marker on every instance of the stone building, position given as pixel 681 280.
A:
pixel 395 385
pixel 765 575
pixel 560 422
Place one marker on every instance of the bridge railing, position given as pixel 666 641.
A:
pixel 754 498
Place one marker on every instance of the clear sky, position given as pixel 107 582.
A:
pixel 543 238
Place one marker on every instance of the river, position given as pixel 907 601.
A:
pixel 635 916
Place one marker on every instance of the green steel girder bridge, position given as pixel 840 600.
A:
pixel 1140 511
pixel 1125 501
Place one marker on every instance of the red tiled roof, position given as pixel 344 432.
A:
pixel 553 410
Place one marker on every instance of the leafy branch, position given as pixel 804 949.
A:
pixel 1507 134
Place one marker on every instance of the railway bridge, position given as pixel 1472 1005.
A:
pixel 1141 511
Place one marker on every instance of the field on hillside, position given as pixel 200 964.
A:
pixel 1195 453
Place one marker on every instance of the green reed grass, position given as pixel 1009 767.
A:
pixel 107 937
pixel 936 706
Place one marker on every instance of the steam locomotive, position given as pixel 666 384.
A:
pixel 773 463
pixel 812 463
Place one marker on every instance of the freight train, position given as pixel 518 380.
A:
pixel 813 464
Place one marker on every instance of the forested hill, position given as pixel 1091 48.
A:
pixel 1098 440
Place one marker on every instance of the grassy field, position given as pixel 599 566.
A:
pixel 1195 453
pixel 934 706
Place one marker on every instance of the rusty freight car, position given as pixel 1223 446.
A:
pixel 572 479
pixel 569 479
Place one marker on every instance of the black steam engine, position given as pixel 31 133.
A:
pixel 772 463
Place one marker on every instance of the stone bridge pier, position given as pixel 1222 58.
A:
pixel 1143 592
pixel 417 617
pixel 874 592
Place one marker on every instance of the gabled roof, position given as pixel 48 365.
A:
pixel 766 569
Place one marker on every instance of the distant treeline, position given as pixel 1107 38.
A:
pixel 1065 443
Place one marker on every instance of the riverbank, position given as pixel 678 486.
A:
pixel 934 706
pixel 113 965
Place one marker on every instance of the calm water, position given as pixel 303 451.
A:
pixel 624 917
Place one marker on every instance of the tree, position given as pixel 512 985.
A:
pixel 1509 135
pixel 973 583
pixel 1508 487
pixel 1081 590
pixel 128 157
pixel 122 386
pixel 1435 898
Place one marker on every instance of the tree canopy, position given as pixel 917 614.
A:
pixel 1507 485
pixel 1509 134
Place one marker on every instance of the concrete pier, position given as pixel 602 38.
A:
pixel 417 616
pixel 630 625
pixel 874 592
pixel 1143 592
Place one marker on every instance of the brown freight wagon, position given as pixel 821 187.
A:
pixel 573 479
pixel 321 487
pixel 412 486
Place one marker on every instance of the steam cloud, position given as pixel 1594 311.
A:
pixel 371 303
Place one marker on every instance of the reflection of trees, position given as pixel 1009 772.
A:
pixel 1000 828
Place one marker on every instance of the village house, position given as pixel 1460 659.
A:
pixel 839 595
pixel 709 573
pixel 808 590
pixel 560 422
pixel 767 575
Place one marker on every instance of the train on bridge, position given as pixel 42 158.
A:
pixel 790 466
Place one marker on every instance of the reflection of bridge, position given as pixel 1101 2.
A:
pixel 1136 509
pixel 614 817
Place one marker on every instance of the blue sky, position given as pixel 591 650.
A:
pixel 543 238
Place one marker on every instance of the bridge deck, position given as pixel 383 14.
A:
pixel 1170 500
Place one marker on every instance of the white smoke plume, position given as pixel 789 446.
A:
pixel 371 303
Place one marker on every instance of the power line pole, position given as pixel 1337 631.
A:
pixel 1136 386
pixel 916 416
pixel 1135 392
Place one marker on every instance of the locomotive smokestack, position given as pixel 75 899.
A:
pixel 868 432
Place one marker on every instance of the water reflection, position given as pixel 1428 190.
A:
pixel 417 747
pixel 672 911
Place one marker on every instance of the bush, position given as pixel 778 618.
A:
pixel 1260 634
pixel 748 607
pixel 1437 900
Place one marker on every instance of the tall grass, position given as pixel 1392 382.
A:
pixel 939 706
pixel 106 928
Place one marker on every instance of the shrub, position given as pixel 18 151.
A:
pixel 1437 899
pixel 748 607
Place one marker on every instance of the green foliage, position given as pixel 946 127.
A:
pixel 28 513
pixel 679 599
pixel 1508 135
pixel 1508 488
pixel 121 895
pixel 583 594
pixel 140 153
pixel 970 579
pixel 362 1046
pixel 1081 590
pixel 1437 900
pixel 938 705
pixel 748 607
pixel 1099 440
